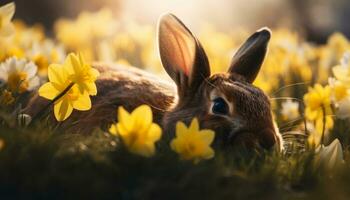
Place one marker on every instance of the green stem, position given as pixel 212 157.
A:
pixel 42 111
pixel 324 124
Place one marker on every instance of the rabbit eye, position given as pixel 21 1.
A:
pixel 220 106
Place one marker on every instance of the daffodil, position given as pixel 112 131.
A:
pixel 338 43
pixel 339 90
pixel 70 86
pixel 318 107
pixel 192 143
pixel 137 131
pixel 314 138
pixel 6 13
pixel 81 73
pixel 290 109
pixel 86 32
pixel 68 94
pixel 19 75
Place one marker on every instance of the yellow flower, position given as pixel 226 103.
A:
pixel 81 73
pixel 6 13
pixel 318 105
pixel 220 50
pixel 338 44
pixel 11 50
pixel 137 130
pixel 192 143
pixel 72 99
pixel 314 138
pixel 42 63
pixel 264 83
pixel 339 90
pixel 86 31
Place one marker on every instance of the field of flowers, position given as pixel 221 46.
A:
pixel 309 87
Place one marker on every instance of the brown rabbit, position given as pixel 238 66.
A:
pixel 228 103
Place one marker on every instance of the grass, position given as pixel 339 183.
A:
pixel 44 162
pixel 40 163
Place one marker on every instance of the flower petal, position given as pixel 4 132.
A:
pixel 208 153
pixel 33 83
pixel 194 127
pixel 92 88
pixel 57 74
pixel 207 136
pixel 113 129
pixel 145 150
pixel 142 116
pixel 7 11
pixel 31 69
pixel 177 145
pixel 48 91
pixel 95 73
pixel 83 102
pixel 154 133
pixel 62 110
pixel 121 130
pixel 7 30
pixel 181 129
pixel 74 63
pixel 3 72
pixel 125 119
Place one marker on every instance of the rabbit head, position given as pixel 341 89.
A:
pixel 227 103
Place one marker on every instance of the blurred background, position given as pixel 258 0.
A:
pixel 309 42
pixel 315 19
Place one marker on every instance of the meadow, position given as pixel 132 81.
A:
pixel 308 85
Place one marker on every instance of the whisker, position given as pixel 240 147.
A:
pixel 157 108
pixel 288 127
pixel 207 80
pixel 292 121
pixel 286 98
pixel 290 85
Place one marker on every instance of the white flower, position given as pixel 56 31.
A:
pixel 343 108
pixel 345 59
pixel 19 75
pixel 342 71
pixel 45 52
pixel 6 13
pixel 329 157
pixel 290 109
pixel 49 49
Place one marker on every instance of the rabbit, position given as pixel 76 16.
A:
pixel 227 103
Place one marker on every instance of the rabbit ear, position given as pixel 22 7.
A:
pixel 249 57
pixel 182 55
